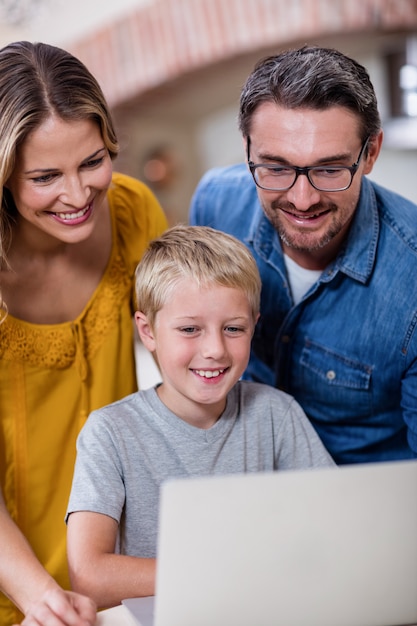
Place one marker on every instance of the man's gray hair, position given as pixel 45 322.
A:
pixel 315 78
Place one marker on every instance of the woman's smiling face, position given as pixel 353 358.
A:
pixel 60 180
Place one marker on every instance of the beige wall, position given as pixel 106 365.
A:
pixel 59 22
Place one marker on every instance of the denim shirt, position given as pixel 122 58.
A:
pixel 348 350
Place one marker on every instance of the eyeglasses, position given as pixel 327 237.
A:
pixel 273 177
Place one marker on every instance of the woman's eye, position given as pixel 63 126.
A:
pixel 94 162
pixel 45 178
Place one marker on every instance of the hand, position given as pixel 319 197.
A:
pixel 61 608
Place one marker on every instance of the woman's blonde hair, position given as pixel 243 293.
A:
pixel 38 80
pixel 196 253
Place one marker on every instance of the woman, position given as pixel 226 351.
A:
pixel 72 233
pixel 30 586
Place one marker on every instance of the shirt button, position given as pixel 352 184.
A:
pixel 285 339
pixel 331 375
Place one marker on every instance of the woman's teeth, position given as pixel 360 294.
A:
pixel 73 216
pixel 209 373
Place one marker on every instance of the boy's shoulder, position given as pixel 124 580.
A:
pixel 127 408
pixel 257 393
pixel 117 405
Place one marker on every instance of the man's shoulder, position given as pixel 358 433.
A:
pixel 398 214
pixel 229 175
pixel 222 194
pixel 395 206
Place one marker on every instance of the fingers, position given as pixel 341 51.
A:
pixel 61 608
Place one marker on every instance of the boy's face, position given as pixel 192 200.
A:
pixel 201 338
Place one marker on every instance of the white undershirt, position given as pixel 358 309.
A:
pixel 299 278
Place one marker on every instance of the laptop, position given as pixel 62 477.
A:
pixel 320 547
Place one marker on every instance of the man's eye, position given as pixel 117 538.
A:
pixel 279 171
pixel 329 172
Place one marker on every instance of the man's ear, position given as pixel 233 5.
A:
pixel 145 331
pixel 374 149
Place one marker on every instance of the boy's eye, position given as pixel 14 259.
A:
pixel 187 330
pixel 234 329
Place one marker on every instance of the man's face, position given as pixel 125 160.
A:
pixel 311 224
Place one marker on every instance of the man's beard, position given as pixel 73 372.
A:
pixel 304 240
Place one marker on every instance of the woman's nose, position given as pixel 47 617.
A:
pixel 75 193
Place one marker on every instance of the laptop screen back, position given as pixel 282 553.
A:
pixel 325 547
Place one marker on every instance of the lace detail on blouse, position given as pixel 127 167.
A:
pixel 56 346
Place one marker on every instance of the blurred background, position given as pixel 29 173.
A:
pixel 172 71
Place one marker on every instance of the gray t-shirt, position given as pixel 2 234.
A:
pixel 128 448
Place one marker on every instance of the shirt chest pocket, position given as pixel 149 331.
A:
pixel 332 380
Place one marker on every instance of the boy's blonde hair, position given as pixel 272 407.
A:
pixel 200 254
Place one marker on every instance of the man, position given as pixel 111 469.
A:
pixel 337 253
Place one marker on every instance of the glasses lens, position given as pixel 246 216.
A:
pixel 331 178
pixel 275 178
pixel 323 179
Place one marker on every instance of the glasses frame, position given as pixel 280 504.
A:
pixel 305 171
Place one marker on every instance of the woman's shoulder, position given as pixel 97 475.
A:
pixel 136 213
pixel 126 186
pixel 132 198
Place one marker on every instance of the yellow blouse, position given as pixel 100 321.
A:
pixel 52 376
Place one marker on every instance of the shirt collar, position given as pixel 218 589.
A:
pixel 357 257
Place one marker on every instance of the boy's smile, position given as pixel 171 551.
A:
pixel 201 338
pixel 209 373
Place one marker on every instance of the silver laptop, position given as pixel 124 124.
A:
pixel 323 547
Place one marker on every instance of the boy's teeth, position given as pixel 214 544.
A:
pixel 209 374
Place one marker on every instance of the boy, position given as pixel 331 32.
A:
pixel 198 294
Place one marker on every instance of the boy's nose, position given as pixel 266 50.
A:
pixel 213 345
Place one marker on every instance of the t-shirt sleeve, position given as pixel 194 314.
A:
pixel 298 446
pixel 97 482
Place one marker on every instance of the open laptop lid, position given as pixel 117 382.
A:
pixel 328 547
pixel 142 609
